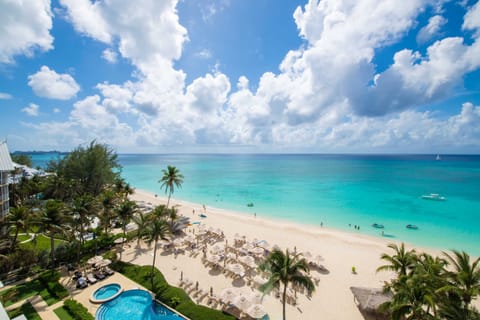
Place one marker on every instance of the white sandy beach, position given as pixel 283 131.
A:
pixel 332 300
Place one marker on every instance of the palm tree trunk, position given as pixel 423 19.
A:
pixel 124 238
pixel 168 200
pixel 14 239
pixel 153 264
pixel 284 299
pixel 52 251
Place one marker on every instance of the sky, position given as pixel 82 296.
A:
pixel 241 76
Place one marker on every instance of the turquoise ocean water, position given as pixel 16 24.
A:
pixel 337 190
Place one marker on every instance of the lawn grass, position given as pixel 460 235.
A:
pixel 63 314
pixel 26 309
pixel 27 290
pixel 41 243
pixel 23 237
pixel 24 291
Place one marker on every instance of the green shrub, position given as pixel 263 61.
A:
pixel 77 310
pixel 49 280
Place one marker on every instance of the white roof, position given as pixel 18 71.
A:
pixel 5 160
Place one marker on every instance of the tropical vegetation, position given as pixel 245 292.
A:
pixel 284 269
pixel 431 288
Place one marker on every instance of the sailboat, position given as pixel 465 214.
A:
pixel 438 157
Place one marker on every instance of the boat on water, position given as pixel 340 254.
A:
pixel 250 204
pixel 411 226
pixel 434 196
pixel 438 157
pixel 378 226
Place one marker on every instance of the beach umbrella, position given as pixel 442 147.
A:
pixel 255 297
pixel 248 261
pixel 237 268
pixel 241 302
pixel 319 259
pixel 257 250
pixel 248 246
pixel 256 311
pixel 178 242
pixel 217 248
pixel 189 238
pixel 264 244
pixel 228 294
pixel 214 259
pixel 103 263
pixel 259 280
pixel 120 240
pixel 94 260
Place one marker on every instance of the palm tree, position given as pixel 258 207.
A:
pixel 107 200
pixel 171 178
pixel 411 300
pixel 53 222
pixel 125 212
pixel 156 230
pixel 18 220
pixel 285 269
pixel 83 208
pixel 400 262
pixel 464 280
pixel 141 221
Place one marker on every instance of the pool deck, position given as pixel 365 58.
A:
pixel 83 295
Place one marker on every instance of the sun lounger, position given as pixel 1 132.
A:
pixel 91 279
pixel 108 271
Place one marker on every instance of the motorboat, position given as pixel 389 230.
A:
pixel 433 196
pixel 411 226
pixel 378 226
pixel 250 204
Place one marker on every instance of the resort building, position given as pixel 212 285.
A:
pixel 6 166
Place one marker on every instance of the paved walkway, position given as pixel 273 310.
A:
pixel 44 311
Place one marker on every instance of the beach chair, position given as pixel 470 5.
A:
pixel 91 279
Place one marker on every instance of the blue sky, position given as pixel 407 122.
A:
pixel 241 76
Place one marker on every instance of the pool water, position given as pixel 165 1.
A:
pixel 106 292
pixel 134 305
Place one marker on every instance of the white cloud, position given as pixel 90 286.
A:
pixel 49 84
pixel 204 54
pixel 5 96
pixel 326 96
pixel 56 110
pixel 109 55
pixel 31 110
pixel 432 29
pixel 25 26
pixel 472 19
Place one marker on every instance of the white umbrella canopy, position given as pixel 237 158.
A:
pixel 218 247
pixel 257 250
pixel 94 260
pixel 103 263
pixel 264 244
pixel 241 302
pixel 178 242
pixel 237 268
pixel 256 311
pixel 319 259
pixel 228 294
pixel 248 261
pixel 120 240
pixel 248 246
pixel 255 297
pixel 189 238
pixel 259 280
pixel 214 258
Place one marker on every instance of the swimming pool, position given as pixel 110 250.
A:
pixel 106 293
pixel 134 305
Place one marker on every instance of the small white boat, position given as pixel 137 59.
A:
pixel 433 196
pixel 438 157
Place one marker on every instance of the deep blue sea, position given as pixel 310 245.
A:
pixel 336 190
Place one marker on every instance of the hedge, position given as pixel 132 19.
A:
pixel 77 310
pixel 172 296
pixel 49 279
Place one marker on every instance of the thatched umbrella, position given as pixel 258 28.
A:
pixel 370 299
